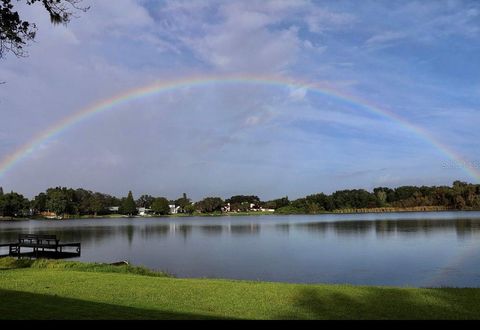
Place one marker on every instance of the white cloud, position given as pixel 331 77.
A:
pixel 248 36
pixel 240 39
pixel 320 20
pixel 385 37
pixel 298 94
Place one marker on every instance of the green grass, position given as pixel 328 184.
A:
pixel 13 263
pixel 64 290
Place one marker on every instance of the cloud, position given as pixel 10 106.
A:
pixel 239 39
pixel 385 37
pixel 298 94
pixel 320 20
pixel 261 139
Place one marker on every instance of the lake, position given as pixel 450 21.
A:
pixel 400 249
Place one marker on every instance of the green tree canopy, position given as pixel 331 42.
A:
pixel 128 206
pixel 13 204
pixel 57 202
pixel 161 206
pixel 183 202
pixel 209 204
pixel 39 204
pixel 145 201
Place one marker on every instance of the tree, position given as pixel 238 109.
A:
pixel 57 201
pixel 97 203
pixel 13 204
pixel 145 201
pixel 161 206
pixel 189 209
pixel 239 199
pixel 277 203
pixel 459 203
pixel 210 204
pixel 128 206
pixel 39 204
pixel 16 33
pixel 183 202
pixel 83 201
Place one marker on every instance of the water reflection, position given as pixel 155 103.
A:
pixel 388 228
pixel 212 230
pixel 250 229
pixel 283 228
pixel 295 249
pixel 154 231
pixel 382 228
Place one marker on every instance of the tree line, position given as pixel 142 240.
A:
pixel 68 201
pixel 459 196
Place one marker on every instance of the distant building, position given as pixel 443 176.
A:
pixel 226 208
pixel 266 210
pixel 174 209
pixel 48 214
pixel 143 211
pixel 114 209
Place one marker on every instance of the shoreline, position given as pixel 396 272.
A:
pixel 239 214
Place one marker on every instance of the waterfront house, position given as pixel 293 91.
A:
pixel 143 211
pixel 174 209
pixel 113 209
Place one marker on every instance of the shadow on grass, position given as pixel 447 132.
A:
pixel 385 303
pixel 15 305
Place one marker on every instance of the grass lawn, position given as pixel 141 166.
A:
pixel 73 290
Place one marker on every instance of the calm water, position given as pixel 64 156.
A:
pixel 414 249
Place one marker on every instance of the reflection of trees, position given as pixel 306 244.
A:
pixel 184 230
pixel 130 232
pixel 410 227
pixel 212 230
pixel 252 228
pixel 10 236
pixel 352 227
pixel 283 227
pixel 340 228
pixel 313 227
pixel 154 231
pixel 462 227
pixel 80 234
pixel 467 227
pixel 90 234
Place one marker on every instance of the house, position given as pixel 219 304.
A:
pixel 266 210
pixel 48 214
pixel 174 209
pixel 226 208
pixel 143 211
pixel 114 209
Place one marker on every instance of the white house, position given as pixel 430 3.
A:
pixel 226 208
pixel 114 209
pixel 174 209
pixel 142 211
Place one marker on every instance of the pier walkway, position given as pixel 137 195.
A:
pixel 41 246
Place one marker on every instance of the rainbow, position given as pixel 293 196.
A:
pixel 9 161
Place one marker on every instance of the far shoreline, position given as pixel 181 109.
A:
pixel 234 214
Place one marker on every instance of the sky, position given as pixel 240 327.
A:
pixel 420 60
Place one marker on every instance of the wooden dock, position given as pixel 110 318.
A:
pixel 41 246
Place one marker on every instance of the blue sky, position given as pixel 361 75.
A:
pixel 418 59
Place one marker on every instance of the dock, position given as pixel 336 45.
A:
pixel 41 246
